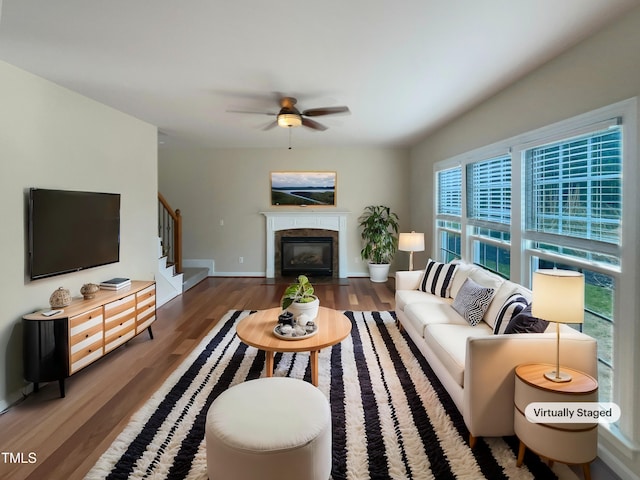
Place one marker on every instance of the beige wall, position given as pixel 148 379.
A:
pixel 233 186
pixel 51 137
pixel 598 72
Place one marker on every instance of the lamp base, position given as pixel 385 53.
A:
pixel 558 377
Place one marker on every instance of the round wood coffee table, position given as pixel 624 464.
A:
pixel 257 330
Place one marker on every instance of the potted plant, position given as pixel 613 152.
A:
pixel 379 233
pixel 298 298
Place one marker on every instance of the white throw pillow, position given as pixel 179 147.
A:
pixel 436 278
pixel 472 301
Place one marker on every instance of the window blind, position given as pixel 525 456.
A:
pixel 489 191
pixel 574 187
pixel 450 191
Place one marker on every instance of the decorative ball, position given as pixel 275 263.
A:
pixel 60 298
pixel 89 290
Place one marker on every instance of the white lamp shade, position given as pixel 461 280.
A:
pixel 289 120
pixel 558 296
pixel 411 242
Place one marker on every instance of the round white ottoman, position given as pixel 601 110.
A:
pixel 269 429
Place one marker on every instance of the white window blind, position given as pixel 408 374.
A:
pixel 450 192
pixel 574 187
pixel 489 191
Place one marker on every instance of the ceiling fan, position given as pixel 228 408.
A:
pixel 289 116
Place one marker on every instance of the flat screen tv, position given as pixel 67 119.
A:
pixel 71 231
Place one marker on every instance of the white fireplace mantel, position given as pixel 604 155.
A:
pixel 327 220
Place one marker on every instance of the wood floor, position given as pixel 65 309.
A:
pixel 61 439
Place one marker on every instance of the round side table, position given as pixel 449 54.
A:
pixel 570 443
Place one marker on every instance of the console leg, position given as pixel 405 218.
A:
pixel 150 332
pixel 61 382
pixel 36 387
pixel 472 441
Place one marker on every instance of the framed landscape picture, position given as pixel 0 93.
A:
pixel 303 189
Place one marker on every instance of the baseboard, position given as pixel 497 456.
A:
pixel 239 274
pixel 207 263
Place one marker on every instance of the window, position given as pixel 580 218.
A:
pixel 575 187
pixel 449 211
pixel 574 211
pixel 565 195
pixel 489 213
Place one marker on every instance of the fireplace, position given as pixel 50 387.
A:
pixel 324 222
pixel 306 255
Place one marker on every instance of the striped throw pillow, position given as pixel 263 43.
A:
pixel 472 301
pixel 511 307
pixel 436 278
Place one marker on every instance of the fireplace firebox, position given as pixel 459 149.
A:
pixel 307 255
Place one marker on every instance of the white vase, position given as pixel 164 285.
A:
pixel 378 272
pixel 310 308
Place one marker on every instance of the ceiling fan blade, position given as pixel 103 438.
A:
pixel 270 125
pixel 313 124
pixel 251 111
pixel 314 112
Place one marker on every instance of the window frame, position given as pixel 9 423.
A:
pixel 627 286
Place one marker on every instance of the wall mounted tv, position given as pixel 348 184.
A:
pixel 71 231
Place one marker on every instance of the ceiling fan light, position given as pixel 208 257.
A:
pixel 289 120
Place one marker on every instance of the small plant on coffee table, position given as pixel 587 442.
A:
pixel 299 292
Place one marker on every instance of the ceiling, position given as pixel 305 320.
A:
pixel 404 68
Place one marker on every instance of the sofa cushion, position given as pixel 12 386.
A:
pixel 472 301
pixel 510 308
pixel 437 277
pixel 407 297
pixel 524 322
pixel 419 315
pixel 462 273
pixel 449 344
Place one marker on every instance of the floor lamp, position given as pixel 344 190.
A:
pixel 411 242
pixel 558 296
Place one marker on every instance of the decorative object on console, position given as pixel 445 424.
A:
pixel 115 283
pixel 60 298
pixel 89 290
pixel 298 298
pixel 558 296
pixel 411 242
pixel 379 229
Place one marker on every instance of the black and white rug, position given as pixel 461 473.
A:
pixel 391 417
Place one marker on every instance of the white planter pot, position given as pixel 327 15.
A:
pixel 310 309
pixel 378 272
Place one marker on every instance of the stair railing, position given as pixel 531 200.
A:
pixel 170 233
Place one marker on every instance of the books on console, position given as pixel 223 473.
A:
pixel 115 283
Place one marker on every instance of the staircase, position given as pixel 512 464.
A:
pixel 172 279
pixel 168 282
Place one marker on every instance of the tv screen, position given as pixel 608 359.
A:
pixel 71 231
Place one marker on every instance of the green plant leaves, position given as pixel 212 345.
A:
pixel 379 229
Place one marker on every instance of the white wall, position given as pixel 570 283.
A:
pixel 51 137
pixel 598 72
pixel 233 186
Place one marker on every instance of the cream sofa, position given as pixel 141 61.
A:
pixel 475 365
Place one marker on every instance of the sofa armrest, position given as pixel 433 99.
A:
pixel 408 280
pixel 489 374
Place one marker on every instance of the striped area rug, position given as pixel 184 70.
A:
pixel 391 417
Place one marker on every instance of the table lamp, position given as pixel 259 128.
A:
pixel 558 296
pixel 411 242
